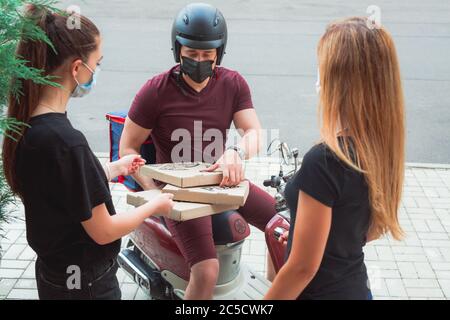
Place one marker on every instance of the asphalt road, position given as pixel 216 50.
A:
pixel 273 45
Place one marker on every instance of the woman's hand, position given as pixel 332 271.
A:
pixel 162 204
pixel 127 165
pixel 284 238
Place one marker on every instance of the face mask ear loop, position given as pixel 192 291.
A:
pixel 214 70
pixel 179 82
pixel 318 85
pixel 78 84
pixel 89 68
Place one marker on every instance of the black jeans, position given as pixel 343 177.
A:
pixel 98 282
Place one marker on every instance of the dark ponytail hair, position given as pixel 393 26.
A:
pixel 68 43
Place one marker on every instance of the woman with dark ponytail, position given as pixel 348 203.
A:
pixel 70 218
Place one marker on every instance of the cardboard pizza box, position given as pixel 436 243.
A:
pixel 181 211
pixel 211 194
pixel 186 174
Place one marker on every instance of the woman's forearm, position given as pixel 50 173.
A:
pixel 123 223
pixel 288 284
pixel 111 170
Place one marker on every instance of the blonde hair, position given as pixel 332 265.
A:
pixel 361 92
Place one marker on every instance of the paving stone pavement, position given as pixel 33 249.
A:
pixel 416 268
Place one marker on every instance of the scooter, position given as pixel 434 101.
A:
pixel 152 259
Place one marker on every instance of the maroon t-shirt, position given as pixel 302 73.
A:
pixel 167 103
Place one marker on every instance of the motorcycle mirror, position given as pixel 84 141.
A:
pixel 285 153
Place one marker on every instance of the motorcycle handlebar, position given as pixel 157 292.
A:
pixel 273 182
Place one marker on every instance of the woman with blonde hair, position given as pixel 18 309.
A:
pixel 348 189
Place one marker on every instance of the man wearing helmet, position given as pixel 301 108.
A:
pixel 197 96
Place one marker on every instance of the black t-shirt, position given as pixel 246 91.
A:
pixel 61 182
pixel 342 273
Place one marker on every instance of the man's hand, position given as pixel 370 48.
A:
pixel 231 165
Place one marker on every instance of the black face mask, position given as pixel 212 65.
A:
pixel 197 71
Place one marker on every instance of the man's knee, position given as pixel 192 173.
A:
pixel 205 272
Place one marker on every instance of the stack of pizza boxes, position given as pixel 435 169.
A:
pixel 196 192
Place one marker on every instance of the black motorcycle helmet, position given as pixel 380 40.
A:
pixel 199 26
